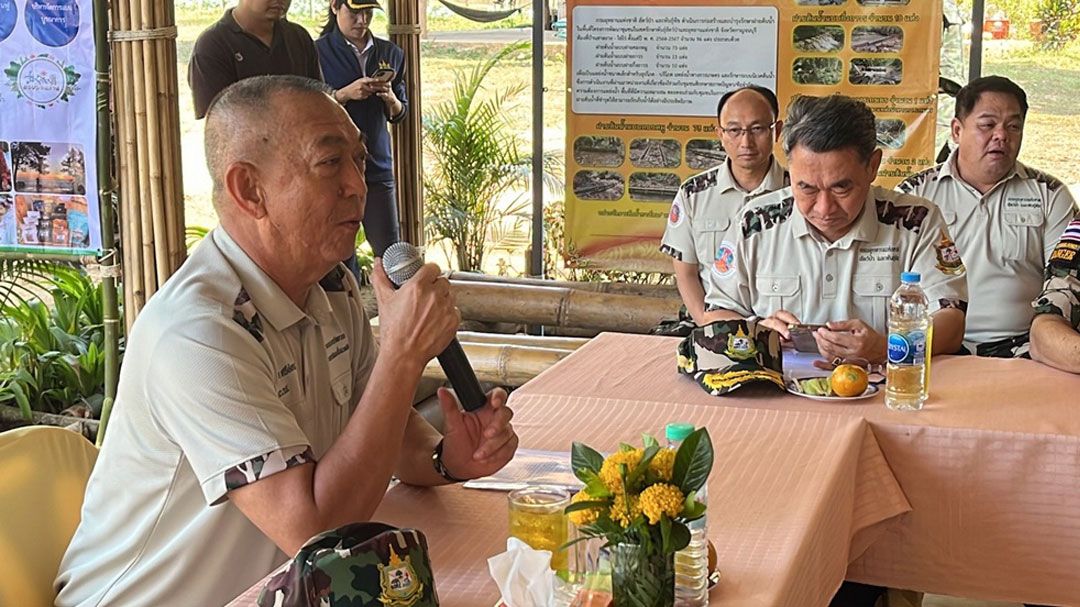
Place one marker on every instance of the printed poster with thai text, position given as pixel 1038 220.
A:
pixel 48 128
pixel 644 79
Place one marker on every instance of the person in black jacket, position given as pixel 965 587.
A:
pixel 367 74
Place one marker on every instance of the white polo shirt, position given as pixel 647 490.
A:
pixel 772 259
pixel 1005 237
pixel 703 209
pixel 225 381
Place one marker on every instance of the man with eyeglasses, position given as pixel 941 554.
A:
pixel 253 39
pixel 706 204
pixel 830 248
pixel 1006 217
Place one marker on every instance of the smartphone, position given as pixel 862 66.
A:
pixel 384 74
pixel 803 337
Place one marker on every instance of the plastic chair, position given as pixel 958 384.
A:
pixel 43 474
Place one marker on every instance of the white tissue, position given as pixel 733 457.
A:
pixel 523 575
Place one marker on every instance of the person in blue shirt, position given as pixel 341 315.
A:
pixel 368 77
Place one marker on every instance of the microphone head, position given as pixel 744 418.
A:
pixel 401 260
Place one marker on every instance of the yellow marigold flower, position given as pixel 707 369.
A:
pixel 583 517
pixel 609 471
pixel 661 499
pixel 663 463
pixel 619 512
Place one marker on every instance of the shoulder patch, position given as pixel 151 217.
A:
pixel 702 181
pixel 245 315
pixel 1066 255
pixel 908 217
pixel 1052 183
pixel 915 181
pixel 766 216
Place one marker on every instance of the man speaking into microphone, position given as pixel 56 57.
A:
pixel 254 409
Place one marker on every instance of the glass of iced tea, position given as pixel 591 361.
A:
pixel 536 518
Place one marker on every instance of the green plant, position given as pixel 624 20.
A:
pixel 54 357
pixel 1060 23
pixel 479 172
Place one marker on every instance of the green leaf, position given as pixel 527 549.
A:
pixel 642 466
pixel 649 440
pixel 20 397
pixel 665 535
pixel 584 458
pixel 692 508
pixel 680 537
pixel 585 506
pixel 593 485
pixel 693 461
pixel 626 447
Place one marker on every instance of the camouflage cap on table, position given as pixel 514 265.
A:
pixel 357 565
pixel 727 354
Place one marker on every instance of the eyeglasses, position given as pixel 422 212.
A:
pixel 755 131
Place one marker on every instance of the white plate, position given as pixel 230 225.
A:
pixel 871 390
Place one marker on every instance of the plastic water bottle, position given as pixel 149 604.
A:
pixel 692 562
pixel 910 335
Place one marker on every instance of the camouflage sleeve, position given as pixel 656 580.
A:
pixel 937 259
pixel 678 240
pixel 729 283
pixel 215 394
pixel 262 466
pixel 1061 290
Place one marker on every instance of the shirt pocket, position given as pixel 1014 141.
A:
pixel 779 293
pixel 1022 236
pixel 709 234
pixel 873 294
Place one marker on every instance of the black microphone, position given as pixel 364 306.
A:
pixel 401 261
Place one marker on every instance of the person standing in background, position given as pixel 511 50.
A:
pixel 368 75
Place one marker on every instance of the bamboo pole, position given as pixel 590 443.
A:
pixel 620 288
pixel 561 307
pixel 568 344
pixel 504 365
pixel 404 29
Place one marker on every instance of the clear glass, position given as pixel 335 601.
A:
pixel 537 518
pixel 909 346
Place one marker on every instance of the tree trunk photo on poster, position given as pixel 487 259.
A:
pixel 644 79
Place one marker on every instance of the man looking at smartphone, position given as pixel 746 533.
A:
pixel 748 125
pixel 368 74
pixel 830 248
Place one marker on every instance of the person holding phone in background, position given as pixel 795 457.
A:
pixel 367 74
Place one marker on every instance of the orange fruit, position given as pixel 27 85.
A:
pixel 848 380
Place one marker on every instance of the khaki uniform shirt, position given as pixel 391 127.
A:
pixel 225 382
pixel 1005 237
pixel 1061 289
pixel 703 209
pixel 772 259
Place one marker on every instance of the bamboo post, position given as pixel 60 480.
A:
pixel 560 307
pixel 404 30
pixel 620 288
pixel 504 365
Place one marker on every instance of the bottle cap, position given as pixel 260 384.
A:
pixel 910 277
pixel 678 431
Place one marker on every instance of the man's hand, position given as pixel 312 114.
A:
pixel 362 88
pixel 418 320
pixel 779 322
pixel 850 339
pixel 477 443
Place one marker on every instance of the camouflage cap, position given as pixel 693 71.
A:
pixel 727 354
pixel 358 565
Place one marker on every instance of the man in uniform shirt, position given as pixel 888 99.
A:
pixel 1005 217
pixel 830 248
pixel 253 39
pixel 1055 331
pixel 255 409
pixel 748 126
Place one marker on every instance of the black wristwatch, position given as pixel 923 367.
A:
pixel 440 467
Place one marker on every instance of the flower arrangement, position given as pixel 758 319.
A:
pixel 640 500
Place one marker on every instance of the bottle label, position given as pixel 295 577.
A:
pixel 907 348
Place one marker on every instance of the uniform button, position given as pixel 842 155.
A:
pixel 1023 219
pixel 828 253
pixel 775 287
pixel 828 278
pixel 878 287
